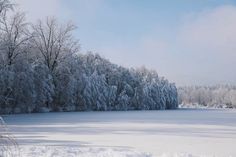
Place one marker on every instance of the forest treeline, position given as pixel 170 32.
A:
pixel 219 96
pixel 42 70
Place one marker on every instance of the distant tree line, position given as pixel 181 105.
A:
pixel 42 71
pixel 220 96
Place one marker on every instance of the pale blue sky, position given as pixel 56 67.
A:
pixel 187 41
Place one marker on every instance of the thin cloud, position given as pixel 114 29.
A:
pixel 38 9
pixel 211 30
pixel 207 40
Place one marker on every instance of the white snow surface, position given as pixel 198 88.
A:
pixel 62 151
pixel 173 133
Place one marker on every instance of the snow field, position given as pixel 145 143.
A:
pixel 176 133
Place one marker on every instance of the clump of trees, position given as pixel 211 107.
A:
pixel 41 70
pixel 209 96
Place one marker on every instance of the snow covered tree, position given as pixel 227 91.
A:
pixel 43 87
pixel 41 71
pixel 210 96
pixel 5 5
pixel 54 42
pixel 6 90
pixel 14 37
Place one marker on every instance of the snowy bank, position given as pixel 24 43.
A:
pixel 58 151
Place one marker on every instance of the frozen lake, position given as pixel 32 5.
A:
pixel 201 132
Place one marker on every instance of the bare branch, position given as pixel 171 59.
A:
pixel 54 41
pixel 14 36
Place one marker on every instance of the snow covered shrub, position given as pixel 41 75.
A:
pixel 8 146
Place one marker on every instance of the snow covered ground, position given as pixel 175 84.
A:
pixel 174 133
